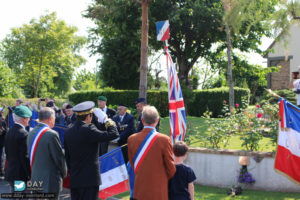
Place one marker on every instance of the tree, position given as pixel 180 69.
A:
pixel 43 55
pixel 195 27
pixel 84 80
pixel 118 42
pixel 8 86
pixel 144 50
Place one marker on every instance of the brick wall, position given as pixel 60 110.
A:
pixel 280 80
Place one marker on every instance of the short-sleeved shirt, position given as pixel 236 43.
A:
pixel 178 185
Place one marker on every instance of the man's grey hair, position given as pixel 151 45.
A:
pixel 17 118
pixel 150 114
pixel 46 113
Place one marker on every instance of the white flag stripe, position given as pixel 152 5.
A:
pixel 290 140
pixel 163 30
pixel 113 177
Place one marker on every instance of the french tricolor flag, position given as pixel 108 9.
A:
pixel 163 30
pixel 114 176
pixel 287 160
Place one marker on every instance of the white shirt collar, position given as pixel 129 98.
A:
pixel 105 109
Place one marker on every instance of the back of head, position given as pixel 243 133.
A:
pixel 46 113
pixel 180 148
pixel 150 115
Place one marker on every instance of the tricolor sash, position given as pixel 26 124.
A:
pixel 35 141
pixel 144 148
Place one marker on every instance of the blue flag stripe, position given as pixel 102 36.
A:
pixel 111 160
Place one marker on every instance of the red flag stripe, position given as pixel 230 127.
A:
pixel 115 189
pixel 288 163
pixel 176 105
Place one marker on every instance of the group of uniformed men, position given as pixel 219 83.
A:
pixel 39 156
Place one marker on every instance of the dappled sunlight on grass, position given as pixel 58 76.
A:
pixel 214 193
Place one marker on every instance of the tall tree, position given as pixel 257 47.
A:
pixel 117 41
pixel 144 50
pixel 8 86
pixel 43 54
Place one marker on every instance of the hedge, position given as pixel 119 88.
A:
pixel 202 99
pixel 212 100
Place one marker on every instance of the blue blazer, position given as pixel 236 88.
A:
pixel 125 128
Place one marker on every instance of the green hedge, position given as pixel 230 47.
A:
pixel 212 100
pixel 203 99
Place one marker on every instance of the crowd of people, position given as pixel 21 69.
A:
pixel 37 151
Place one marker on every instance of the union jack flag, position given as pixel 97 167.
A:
pixel 176 103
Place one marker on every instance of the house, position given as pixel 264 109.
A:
pixel 287 55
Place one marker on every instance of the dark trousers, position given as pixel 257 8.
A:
pixel 86 193
pixel 125 153
pixel 1 168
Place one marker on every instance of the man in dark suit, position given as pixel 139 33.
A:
pixel 125 125
pixel 102 100
pixel 81 150
pixel 18 166
pixel 49 163
pixel 70 115
pixel 140 103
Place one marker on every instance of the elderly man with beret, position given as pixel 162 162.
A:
pixel 102 100
pixel 18 166
pixel 82 150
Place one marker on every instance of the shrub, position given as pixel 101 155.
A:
pixel 286 94
pixel 212 100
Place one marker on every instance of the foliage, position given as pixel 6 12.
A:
pixel 117 40
pixel 43 55
pixel 8 86
pixel 252 124
pixel 195 26
pixel 212 100
pixel 85 80
pixel 271 121
pixel 250 76
pixel 286 94
pixel 217 131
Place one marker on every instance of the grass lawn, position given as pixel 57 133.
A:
pixel 198 125
pixel 213 193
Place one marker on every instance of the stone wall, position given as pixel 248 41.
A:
pixel 221 168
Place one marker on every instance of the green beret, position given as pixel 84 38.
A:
pixel 102 98
pixel 23 111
